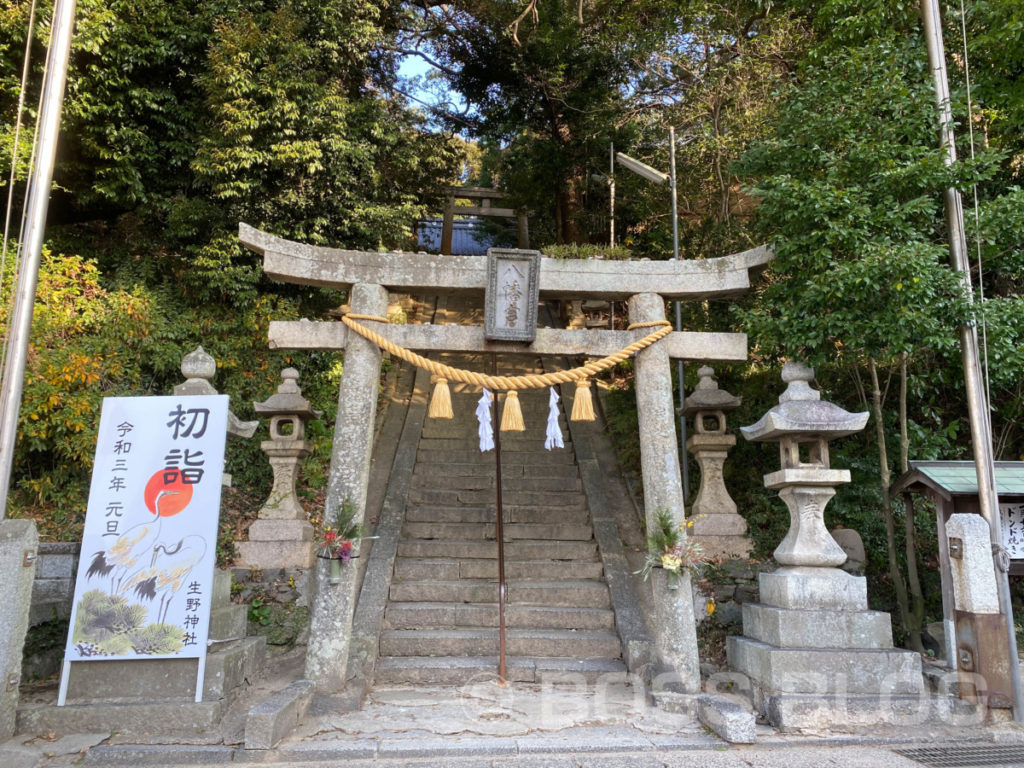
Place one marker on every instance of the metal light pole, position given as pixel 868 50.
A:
pixel 680 368
pixel 611 197
pixel 652 174
pixel 977 407
pixel 38 198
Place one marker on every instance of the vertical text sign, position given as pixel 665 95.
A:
pixel 1013 529
pixel 145 579
pixel 510 300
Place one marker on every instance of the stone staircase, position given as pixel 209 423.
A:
pixel 441 621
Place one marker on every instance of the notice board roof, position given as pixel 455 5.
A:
pixel 959 478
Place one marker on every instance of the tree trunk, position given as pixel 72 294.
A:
pixel 904 432
pixel 575 184
pixel 559 216
pixel 916 624
pixel 885 478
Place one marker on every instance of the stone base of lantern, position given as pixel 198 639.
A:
pixel 722 535
pixel 277 544
pixel 817 657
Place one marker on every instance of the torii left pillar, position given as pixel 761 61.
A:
pixel 334 604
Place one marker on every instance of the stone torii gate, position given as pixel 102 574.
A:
pixel 368 276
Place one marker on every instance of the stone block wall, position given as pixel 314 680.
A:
pixel 54 586
pixel 731 583
pixel 279 585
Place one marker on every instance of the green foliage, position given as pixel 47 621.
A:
pixel 623 427
pixel 259 611
pixel 283 624
pixel 552 90
pixel 86 343
pixel 298 143
pixel 574 251
pixel 854 204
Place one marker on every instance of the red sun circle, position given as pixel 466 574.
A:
pixel 177 497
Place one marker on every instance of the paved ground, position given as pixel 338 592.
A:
pixel 483 724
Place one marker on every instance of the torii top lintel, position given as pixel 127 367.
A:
pixel 689 280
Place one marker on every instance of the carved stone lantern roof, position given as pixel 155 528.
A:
pixel 288 399
pixel 707 396
pixel 802 413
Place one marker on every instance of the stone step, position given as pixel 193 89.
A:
pixel 442 569
pixel 516 550
pixel 449 569
pixel 484 642
pixel 573 500
pixel 468 436
pixel 532 570
pixel 438 481
pixel 458 670
pixel 486 469
pixel 432 513
pixel 465 423
pixel 511 449
pixel 436 615
pixel 574 594
pixel 486 531
pixel 474 456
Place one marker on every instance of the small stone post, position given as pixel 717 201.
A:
pixel 722 532
pixel 334 605
pixel 282 537
pixel 19 546
pixel 982 653
pixel 663 489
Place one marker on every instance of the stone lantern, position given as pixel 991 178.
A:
pixel 282 537
pixel 815 655
pixel 803 424
pixel 718 527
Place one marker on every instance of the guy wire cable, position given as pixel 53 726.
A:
pixel 14 164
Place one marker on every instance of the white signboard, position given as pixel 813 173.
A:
pixel 1013 529
pixel 145 578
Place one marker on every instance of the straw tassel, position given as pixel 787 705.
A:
pixel 583 402
pixel 441 402
pixel 512 414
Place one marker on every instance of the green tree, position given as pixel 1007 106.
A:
pixel 180 121
pixel 300 142
pixel 850 183
pixel 549 80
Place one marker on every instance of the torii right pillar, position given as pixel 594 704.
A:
pixel 676 630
